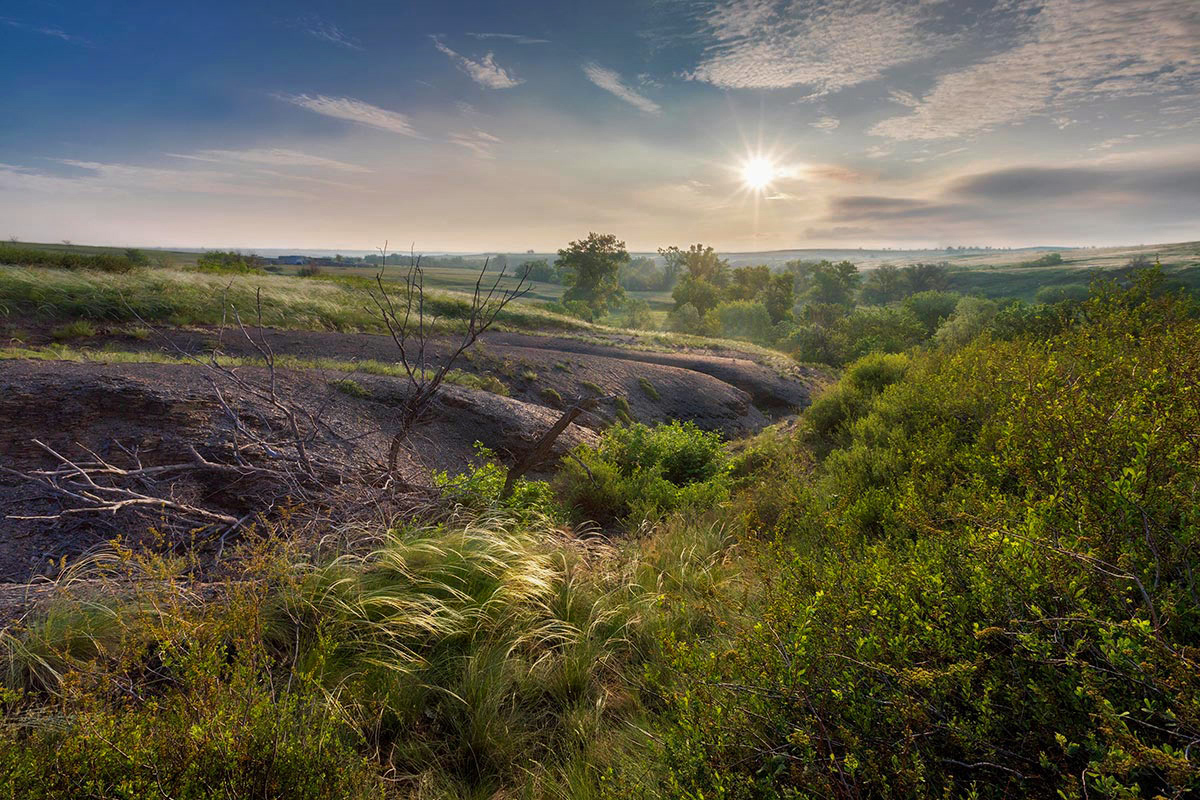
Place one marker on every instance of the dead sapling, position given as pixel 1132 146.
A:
pixel 413 329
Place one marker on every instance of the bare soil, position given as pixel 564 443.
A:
pixel 157 410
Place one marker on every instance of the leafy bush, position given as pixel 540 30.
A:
pixel 971 317
pixel 742 319
pixel 479 489
pixel 985 591
pixel 638 472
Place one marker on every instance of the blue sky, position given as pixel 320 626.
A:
pixel 507 126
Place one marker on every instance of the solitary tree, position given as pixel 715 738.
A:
pixel 591 270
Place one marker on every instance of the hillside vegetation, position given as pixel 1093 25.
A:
pixel 967 571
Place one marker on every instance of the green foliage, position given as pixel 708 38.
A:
pixel 636 314
pixel 34 257
pixel 590 269
pixel 478 658
pixel 644 275
pixel 539 270
pixel 971 317
pixel 778 297
pixel 687 319
pixel 639 472
pixel 1048 260
pixel 551 396
pixel 1063 293
pixel 649 390
pixel 742 319
pixel 351 387
pixel 884 284
pixel 79 329
pixel 229 262
pixel 985 589
pixel 478 489
pixel 931 308
pixel 136 257
pixel 624 412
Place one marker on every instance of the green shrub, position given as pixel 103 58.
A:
pixel 986 590
pixel 479 489
pixel 351 387
pixel 228 262
pixel 1064 293
pixel 624 413
pixel 742 319
pixel 551 396
pixel 931 308
pixel 638 472
pixel 649 390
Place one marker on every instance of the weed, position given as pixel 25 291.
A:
pixel 351 387
pixel 79 329
pixel 648 389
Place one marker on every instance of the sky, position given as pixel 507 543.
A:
pixel 477 126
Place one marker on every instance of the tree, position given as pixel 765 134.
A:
pixel 931 308
pixel 833 284
pixel 698 261
pixel 696 292
pixel 748 282
pixel 591 270
pixel 778 297
pixel 541 270
pixel 883 285
pixel 643 275
pixel 926 277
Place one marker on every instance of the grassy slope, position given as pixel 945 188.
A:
pixel 941 600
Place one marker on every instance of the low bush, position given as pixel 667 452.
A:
pixel 639 472
pixel 479 489
pixel 223 262
pixel 985 590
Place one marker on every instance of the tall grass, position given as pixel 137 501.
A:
pixel 463 659
pixel 188 298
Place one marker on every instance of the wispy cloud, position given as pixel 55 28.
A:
pixel 327 31
pixel 610 81
pixel 45 30
pixel 477 141
pixel 825 46
pixel 270 156
pixel 486 72
pixel 516 38
pixel 1073 53
pixel 352 110
pixel 826 124
pixel 101 176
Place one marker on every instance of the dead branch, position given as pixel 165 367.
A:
pixel 412 331
pixel 543 447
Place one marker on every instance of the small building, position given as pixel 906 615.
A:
pixel 296 260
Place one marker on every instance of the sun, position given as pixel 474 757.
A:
pixel 758 173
